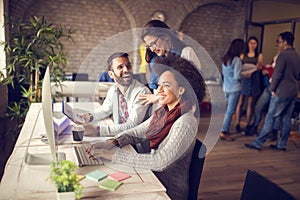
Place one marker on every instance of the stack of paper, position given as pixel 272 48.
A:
pixel 61 122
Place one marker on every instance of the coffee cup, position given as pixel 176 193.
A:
pixel 78 132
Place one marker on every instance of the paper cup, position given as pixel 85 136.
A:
pixel 78 132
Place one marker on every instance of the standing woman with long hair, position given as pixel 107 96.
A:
pixel 231 71
pixel 160 41
pixel 250 86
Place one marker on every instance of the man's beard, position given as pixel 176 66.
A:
pixel 121 81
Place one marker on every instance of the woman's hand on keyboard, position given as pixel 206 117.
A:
pixel 103 153
pixel 102 145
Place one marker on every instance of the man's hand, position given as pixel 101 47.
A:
pixel 90 130
pixel 85 117
pixel 273 93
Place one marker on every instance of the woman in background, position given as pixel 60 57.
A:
pixel 150 56
pixel 160 41
pixel 231 71
pixel 251 87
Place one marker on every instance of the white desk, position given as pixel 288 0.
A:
pixel 91 89
pixel 22 181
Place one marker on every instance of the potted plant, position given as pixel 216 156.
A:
pixel 66 181
pixel 31 46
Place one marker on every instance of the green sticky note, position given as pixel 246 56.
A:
pixel 109 184
pixel 96 175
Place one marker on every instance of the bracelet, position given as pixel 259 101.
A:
pixel 91 117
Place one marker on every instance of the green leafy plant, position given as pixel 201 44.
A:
pixel 63 176
pixel 31 47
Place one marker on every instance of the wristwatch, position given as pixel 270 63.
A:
pixel 114 142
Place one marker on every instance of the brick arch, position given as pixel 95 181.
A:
pixel 213 25
pixel 127 12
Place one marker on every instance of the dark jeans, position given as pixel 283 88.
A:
pixel 282 107
pixel 261 105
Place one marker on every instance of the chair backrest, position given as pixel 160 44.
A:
pixel 196 168
pixel 258 187
pixel 80 77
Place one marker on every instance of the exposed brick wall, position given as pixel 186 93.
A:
pixel 93 20
pixel 214 26
pixel 17 8
pixel 97 20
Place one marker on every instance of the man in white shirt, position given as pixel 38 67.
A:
pixel 121 101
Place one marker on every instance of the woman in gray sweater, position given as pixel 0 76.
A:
pixel 171 130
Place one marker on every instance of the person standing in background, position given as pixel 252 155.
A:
pixel 284 90
pixel 150 56
pixel 160 41
pixel 250 86
pixel 143 65
pixel 263 101
pixel 231 71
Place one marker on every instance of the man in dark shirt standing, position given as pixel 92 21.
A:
pixel 284 89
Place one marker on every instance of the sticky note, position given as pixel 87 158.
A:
pixel 96 175
pixel 109 184
pixel 118 176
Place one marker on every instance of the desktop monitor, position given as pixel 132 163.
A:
pixel 45 158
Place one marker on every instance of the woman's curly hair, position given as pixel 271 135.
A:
pixel 190 77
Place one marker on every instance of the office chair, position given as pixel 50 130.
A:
pixel 80 77
pixel 196 168
pixel 259 187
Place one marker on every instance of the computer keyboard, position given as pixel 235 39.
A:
pixel 83 158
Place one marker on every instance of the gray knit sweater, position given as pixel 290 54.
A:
pixel 171 160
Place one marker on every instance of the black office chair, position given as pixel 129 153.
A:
pixel 80 77
pixel 258 187
pixel 196 168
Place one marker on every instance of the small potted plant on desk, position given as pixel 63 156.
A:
pixel 66 181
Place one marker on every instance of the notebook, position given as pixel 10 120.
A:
pixel 118 176
pixel 80 177
pixel 248 68
pixel 96 175
pixel 109 184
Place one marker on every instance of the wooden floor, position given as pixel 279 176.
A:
pixel 226 166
